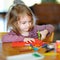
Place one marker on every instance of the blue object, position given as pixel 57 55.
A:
pixel 44 46
pixel 34 48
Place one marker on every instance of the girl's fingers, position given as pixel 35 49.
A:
pixel 26 41
pixel 33 40
pixel 30 41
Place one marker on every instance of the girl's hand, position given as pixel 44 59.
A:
pixel 43 34
pixel 29 40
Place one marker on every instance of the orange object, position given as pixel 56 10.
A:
pixel 58 46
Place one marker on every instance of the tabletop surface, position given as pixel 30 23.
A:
pixel 6 49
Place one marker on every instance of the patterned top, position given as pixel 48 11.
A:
pixel 13 37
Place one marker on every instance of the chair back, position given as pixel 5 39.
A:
pixel 2 34
pixel 49 39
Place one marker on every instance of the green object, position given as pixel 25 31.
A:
pixel 36 55
pixel 39 35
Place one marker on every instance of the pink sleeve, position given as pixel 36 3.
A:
pixel 50 28
pixel 12 38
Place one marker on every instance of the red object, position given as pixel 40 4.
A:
pixel 15 44
pixel 20 44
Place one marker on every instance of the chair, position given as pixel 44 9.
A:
pixel 2 34
pixel 49 39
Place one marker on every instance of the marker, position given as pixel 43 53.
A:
pixel 39 35
pixel 48 50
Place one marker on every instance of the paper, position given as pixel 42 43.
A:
pixel 29 56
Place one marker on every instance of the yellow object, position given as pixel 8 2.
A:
pixel 58 46
pixel 50 54
pixel 30 47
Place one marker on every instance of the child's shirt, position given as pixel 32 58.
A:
pixel 13 37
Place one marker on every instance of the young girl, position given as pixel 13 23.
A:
pixel 21 22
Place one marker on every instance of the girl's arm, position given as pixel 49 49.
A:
pixel 45 30
pixel 50 28
pixel 12 38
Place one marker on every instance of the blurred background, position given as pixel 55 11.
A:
pixel 46 11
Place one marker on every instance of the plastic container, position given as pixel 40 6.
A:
pixel 57 45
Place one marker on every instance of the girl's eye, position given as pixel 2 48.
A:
pixel 26 22
pixel 30 21
pixel 23 22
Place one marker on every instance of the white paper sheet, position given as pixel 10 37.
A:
pixel 28 56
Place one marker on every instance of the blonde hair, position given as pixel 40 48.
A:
pixel 14 15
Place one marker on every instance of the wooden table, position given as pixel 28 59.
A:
pixel 6 50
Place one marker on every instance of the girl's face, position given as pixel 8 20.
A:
pixel 25 23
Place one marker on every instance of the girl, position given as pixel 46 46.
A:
pixel 21 22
